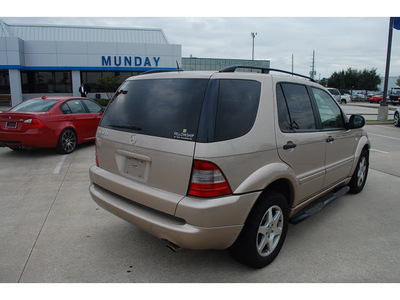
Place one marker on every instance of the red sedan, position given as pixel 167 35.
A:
pixel 376 99
pixel 50 122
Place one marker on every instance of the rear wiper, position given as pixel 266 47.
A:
pixel 131 127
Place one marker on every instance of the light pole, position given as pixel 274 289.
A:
pixel 253 35
pixel 383 107
pixel 292 63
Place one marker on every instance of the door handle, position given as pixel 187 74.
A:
pixel 330 139
pixel 289 145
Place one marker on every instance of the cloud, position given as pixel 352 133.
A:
pixel 339 43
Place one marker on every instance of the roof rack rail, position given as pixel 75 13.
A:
pixel 159 71
pixel 263 70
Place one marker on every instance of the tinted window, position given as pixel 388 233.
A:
pixel 237 108
pixel 73 107
pixel 164 107
pixel 92 106
pixel 35 106
pixel 298 104
pixel 283 113
pixel 331 115
pixel 4 82
pixel 46 81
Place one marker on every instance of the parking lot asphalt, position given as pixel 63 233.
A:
pixel 52 232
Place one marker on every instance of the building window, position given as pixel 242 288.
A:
pixel 4 82
pixel 46 82
pixel 89 78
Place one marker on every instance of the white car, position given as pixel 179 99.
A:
pixel 396 121
pixel 335 93
pixel 345 98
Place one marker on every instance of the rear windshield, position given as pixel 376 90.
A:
pixel 167 108
pixel 38 105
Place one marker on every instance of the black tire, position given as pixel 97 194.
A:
pixel 264 232
pixel 67 141
pixel 360 174
pixel 396 121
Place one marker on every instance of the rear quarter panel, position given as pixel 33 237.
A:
pixel 242 157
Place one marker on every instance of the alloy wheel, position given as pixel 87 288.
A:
pixel 362 171
pixel 68 141
pixel 396 119
pixel 269 231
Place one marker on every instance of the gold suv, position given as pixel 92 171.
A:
pixel 225 160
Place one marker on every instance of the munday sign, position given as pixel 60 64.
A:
pixel 129 61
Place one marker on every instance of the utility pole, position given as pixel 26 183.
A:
pixel 312 73
pixel 253 35
pixel 292 63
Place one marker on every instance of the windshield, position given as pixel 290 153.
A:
pixel 167 108
pixel 38 105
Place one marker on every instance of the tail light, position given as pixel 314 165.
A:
pixel 208 181
pixel 34 123
pixel 95 151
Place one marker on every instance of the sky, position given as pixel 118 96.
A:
pixel 346 36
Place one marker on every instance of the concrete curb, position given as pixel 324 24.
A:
pixel 372 122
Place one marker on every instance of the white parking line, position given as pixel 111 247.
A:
pixel 384 136
pixel 384 152
pixel 388 127
pixel 59 165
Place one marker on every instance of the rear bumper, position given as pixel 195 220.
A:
pixel 197 223
pixel 31 138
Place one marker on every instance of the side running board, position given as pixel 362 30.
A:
pixel 319 205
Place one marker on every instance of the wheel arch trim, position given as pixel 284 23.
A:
pixel 362 144
pixel 271 176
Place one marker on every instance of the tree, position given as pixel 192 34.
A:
pixel 398 81
pixel 109 84
pixel 353 79
pixel 323 81
pixel 369 80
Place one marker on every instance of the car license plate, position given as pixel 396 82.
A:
pixel 11 124
pixel 136 168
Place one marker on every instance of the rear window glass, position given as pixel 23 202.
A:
pixel 295 110
pixel 167 108
pixel 92 107
pixel 73 107
pixel 237 108
pixel 35 106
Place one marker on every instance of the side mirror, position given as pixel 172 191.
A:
pixel 356 121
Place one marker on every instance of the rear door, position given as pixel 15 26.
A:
pixel 95 111
pixel 148 132
pixel 300 144
pixel 75 111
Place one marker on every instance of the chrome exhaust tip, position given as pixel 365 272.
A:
pixel 171 246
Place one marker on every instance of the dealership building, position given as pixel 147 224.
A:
pixel 37 60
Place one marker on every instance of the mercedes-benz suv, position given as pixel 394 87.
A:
pixel 225 160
